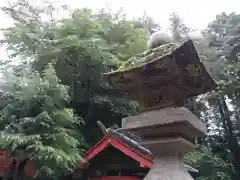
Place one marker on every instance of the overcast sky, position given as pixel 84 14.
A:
pixel 195 14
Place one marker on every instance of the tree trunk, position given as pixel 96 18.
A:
pixel 230 136
pixel 20 169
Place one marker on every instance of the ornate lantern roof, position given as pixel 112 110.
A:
pixel 164 80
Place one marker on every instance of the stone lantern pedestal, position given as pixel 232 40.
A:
pixel 168 133
pixel 167 128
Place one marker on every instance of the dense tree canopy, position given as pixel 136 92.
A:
pixel 36 123
pixel 81 47
pixel 40 114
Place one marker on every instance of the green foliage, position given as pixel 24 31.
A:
pixel 179 30
pixel 210 165
pixel 218 49
pixel 81 47
pixel 225 102
pixel 124 37
pixel 37 124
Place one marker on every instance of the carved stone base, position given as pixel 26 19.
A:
pixel 168 159
pixel 169 167
pixel 168 133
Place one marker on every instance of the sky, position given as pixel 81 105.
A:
pixel 195 14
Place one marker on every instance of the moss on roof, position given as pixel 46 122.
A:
pixel 148 56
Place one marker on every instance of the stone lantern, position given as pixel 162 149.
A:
pixel 167 128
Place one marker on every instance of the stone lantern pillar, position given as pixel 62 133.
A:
pixel 167 128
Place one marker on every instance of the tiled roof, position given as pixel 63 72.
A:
pixel 134 142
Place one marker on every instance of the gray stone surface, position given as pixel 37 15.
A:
pixel 165 122
pixel 168 133
pixel 168 168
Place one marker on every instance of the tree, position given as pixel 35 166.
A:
pixel 84 45
pixel 179 30
pixel 36 124
pixel 125 37
pixel 212 108
pixel 225 101
pixel 81 48
pixel 210 165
